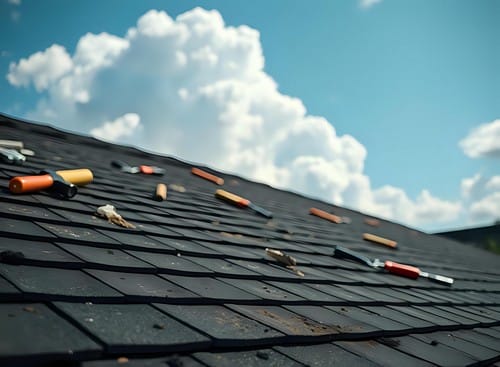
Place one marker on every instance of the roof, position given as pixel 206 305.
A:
pixel 191 284
pixel 488 236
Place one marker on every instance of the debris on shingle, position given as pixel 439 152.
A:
pixel 380 240
pixel 29 309
pixel 286 260
pixel 372 222
pixel 109 212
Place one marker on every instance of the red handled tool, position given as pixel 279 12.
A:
pixel 62 182
pixel 239 201
pixel 147 170
pixel 407 271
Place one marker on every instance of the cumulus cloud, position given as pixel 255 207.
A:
pixel 42 68
pixel 483 141
pixel 122 127
pixel 366 4
pixel 201 92
pixel 482 197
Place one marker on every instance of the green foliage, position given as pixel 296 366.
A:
pixel 492 245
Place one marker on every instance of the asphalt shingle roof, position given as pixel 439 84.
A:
pixel 191 284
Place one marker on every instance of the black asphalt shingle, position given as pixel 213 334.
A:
pixel 192 285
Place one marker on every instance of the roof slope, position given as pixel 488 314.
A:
pixel 191 285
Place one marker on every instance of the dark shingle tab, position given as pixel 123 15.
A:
pixel 133 328
pixel 227 327
pixel 49 283
pixel 32 330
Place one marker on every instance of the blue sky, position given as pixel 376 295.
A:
pixel 408 80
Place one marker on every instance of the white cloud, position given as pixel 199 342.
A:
pixel 42 68
pixel 366 4
pixel 202 94
pixel 483 141
pixel 122 127
pixel 15 2
pixel 482 198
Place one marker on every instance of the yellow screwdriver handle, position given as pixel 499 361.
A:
pixel 232 198
pixel 79 177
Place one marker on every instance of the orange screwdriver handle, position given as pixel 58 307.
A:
pixel 22 184
pixel 232 198
pixel 325 215
pixel 147 170
pixel 401 269
pixel 207 176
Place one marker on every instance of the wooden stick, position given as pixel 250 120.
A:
pixel 207 176
pixel 380 240
pixel 325 215
pixel 160 192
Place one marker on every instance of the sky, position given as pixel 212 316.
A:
pixel 390 107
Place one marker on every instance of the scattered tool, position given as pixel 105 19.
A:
pixel 407 271
pixel 372 222
pixel 109 212
pixel 239 201
pixel 284 259
pixel 147 170
pixel 11 156
pixel 178 188
pixel 160 192
pixel 207 176
pixel 328 216
pixel 17 146
pixel 380 240
pixel 63 183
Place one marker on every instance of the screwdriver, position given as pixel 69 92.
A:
pixel 147 170
pixel 239 201
pixel 407 271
